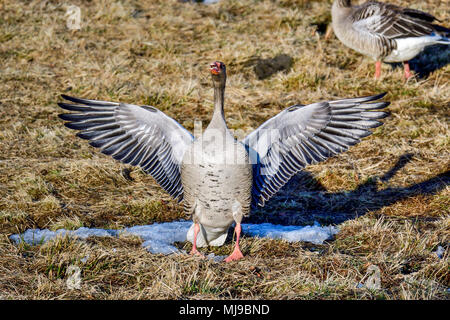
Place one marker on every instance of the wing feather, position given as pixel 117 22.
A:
pixel 303 135
pixel 387 21
pixel 140 135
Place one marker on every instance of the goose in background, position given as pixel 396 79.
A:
pixel 217 177
pixel 386 32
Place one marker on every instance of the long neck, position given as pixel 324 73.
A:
pixel 343 3
pixel 218 118
pixel 340 11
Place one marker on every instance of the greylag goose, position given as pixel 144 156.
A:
pixel 217 177
pixel 386 32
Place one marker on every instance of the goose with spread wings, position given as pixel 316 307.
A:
pixel 386 32
pixel 217 177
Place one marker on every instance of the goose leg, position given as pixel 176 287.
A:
pixel 237 254
pixel 194 250
pixel 377 69
pixel 408 73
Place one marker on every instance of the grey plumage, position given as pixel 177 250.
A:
pixel 140 135
pixel 216 176
pixel 304 135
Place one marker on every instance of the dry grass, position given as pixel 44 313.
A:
pixel 388 195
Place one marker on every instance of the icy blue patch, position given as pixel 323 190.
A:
pixel 38 236
pixel 315 234
pixel 160 237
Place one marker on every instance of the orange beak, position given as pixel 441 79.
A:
pixel 214 68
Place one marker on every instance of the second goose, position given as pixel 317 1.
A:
pixel 386 32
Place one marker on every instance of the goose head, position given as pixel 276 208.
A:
pixel 218 73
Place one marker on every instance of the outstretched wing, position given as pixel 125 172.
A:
pixel 303 135
pixel 139 135
pixel 392 22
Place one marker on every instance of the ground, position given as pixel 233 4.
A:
pixel 389 195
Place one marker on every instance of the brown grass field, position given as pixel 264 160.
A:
pixel 389 195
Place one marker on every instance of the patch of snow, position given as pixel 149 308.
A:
pixel 37 236
pixel 160 237
pixel 315 234
pixel 215 258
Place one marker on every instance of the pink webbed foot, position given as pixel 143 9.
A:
pixel 237 254
pixel 195 252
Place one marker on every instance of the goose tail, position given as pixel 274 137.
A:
pixel 443 33
pixel 443 40
pixel 442 36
